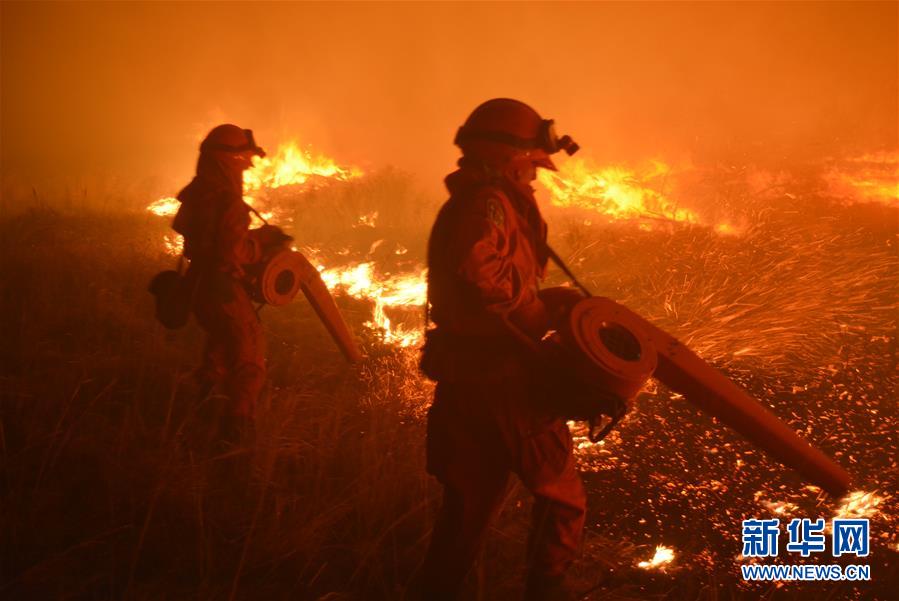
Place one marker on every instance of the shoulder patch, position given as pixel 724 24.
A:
pixel 495 212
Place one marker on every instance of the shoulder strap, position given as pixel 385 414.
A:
pixel 258 214
pixel 558 261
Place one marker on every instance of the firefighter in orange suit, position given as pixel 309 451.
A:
pixel 215 223
pixel 486 256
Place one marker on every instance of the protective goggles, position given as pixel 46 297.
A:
pixel 547 140
pixel 249 146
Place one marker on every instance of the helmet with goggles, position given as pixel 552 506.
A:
pixel 502 129
pixel 230 138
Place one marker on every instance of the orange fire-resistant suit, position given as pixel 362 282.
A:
pixel 214 221
pixel 486 257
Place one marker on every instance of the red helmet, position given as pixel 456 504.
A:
pixel 230 138
pixel 503 129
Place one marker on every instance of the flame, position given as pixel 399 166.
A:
pixel 164 207
pixel 369 219
pixel 291 166
pixel 612 192
pixel 174 244
pixel 408 290
pixel 663 556
pixel 615 191
pixel 294 166
pixel 872 177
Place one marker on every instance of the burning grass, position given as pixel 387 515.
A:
pixel 110 492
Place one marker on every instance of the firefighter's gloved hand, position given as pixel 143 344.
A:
pixel 616 405
pixel 531 319
pixel 550 353
pixel 558 302
pixel 270 237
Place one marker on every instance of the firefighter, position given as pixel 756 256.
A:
pixel 486 256
pixel 215 223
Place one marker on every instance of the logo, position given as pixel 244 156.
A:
pixel 805 537
pixel 495 213
pixel 850 537
pixel 760 538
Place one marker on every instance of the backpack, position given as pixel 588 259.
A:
pixel 174 293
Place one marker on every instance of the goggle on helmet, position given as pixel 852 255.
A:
pixel 248 146
pixel 547 140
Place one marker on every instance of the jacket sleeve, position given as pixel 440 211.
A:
pixel 235 247
pixel 487 262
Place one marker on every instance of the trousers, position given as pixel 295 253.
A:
pixel 234 355
pixel 479 434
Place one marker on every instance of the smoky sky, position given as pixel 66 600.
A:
pixel 127 90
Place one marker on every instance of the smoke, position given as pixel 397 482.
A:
pixel 127 90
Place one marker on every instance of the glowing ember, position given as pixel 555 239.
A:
pixel 663 556
pixel 859 504
pixel 778 508
pixel 174 244
pixel 726 229
pixel 616 192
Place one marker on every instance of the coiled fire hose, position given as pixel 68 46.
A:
pixel 615 348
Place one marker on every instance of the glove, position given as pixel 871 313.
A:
pixel 530 319
pixel 558 302
pixel 270 237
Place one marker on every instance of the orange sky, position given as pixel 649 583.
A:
pixel 127 90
